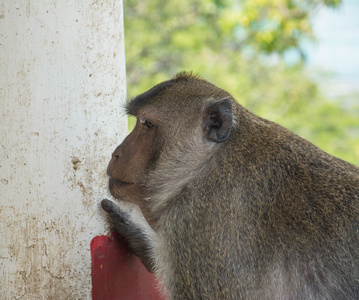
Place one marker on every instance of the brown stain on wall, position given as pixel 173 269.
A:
pixel 75 161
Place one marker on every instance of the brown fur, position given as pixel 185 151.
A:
pixel 263 214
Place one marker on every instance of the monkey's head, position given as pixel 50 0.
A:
pixel 180 123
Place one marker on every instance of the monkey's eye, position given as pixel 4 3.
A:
pixel 147 123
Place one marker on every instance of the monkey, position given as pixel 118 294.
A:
pixel 237 206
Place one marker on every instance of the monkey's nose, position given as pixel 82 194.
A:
pixel 111 166
pixel 114 155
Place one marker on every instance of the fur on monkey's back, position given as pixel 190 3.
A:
pixel 296 211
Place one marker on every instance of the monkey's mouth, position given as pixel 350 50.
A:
pixel 118 183
pixel 119 188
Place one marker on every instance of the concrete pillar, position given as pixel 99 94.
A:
pixel 62 84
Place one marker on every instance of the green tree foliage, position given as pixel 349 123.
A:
pixel 279 25
pixel 240 46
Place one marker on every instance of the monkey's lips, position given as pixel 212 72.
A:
pixel 118 182
pixel 116 186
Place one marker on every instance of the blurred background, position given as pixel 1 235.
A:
pixel 295 62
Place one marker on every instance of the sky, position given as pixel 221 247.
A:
pixel 336 52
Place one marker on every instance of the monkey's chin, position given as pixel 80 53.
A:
pixel 119 188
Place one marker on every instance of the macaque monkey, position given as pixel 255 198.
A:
pixel 238 207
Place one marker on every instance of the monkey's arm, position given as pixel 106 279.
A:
pixel 140 240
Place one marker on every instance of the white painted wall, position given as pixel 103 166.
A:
pixel 62 84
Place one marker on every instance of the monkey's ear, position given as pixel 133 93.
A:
pixel 218 121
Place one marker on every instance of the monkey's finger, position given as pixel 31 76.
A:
pixel 108 205
pixel 118 217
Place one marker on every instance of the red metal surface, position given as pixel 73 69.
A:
pixel 117 273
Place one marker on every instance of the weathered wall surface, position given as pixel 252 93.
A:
pixel 62 83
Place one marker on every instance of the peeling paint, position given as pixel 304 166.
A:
pixel 55 142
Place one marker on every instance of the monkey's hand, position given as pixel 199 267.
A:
pixel 140 239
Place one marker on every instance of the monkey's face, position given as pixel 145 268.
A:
pixel 132 161
pixel 178 126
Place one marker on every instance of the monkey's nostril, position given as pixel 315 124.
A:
pixel 115 155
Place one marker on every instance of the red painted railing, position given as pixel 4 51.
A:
pixel 119 274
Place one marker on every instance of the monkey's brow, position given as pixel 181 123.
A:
pixel 136 103
pixel 129 109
